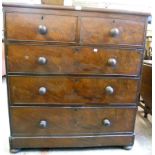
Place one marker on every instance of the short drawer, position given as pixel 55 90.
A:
pixel 67 90
pixel 111 31
pixel 27 27
pixel 73 60
pixel 46 121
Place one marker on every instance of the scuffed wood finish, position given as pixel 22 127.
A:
pixel 72 141
pixel 73 60
pixel 63 101
pixel 72 90
pixel 24 26
pixel 97 31
pixel 70 121
pixel 63 28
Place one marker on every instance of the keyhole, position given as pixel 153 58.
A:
pixel 42 17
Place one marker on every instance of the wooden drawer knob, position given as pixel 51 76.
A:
pixel 43 124
pixel 109 90
pixel 114 32
pixel 42 29
pixel 112 62
pixel 106 122
pixel 42 90
pixel 42 60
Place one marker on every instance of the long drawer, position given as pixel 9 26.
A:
pixel 67 90
pixel 46 121
pixel 73 60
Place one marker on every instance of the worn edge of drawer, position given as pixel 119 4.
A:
pixel 87 105
pixel 61 44
pixel 79 107
pixel 71 43
pixel 72 74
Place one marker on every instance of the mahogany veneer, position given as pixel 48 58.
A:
pixel 73 76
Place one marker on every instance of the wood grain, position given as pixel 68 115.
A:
pixel 70 121
pixel 73 60
pixel 97 31
pixel 24 26
pixel 77 47
pixel 93 30
pixel 72 90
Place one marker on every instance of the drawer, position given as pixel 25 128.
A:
pixel 25 26
pixel 46 121
pixel 111 31
pixel 73 60
pixel 67 90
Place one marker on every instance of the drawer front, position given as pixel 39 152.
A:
pixel 72 90
pixel 73 60
pixel 33 121
pixel 40 27
pixel 111 31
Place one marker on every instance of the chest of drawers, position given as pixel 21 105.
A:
pixel 73 76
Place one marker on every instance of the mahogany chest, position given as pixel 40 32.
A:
pixel 73 76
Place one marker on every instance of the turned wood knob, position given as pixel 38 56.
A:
pixel 42 90
pixel 112 61
pixel 43 124
pixel 106 122
pixel 109 90
pixel 114 32
pixel 42 60
pixel 42 29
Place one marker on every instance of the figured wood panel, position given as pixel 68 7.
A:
pixel 24 26
pixel 70 121
pixel 72 90
pixel 97 31
pixel 73 60
pixel 75 105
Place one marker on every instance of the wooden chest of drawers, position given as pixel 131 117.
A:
pixel 73 76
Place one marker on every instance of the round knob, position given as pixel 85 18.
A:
pixel 112 62
pixel 95 50
pixel 106 122
pixel 42 60
pixel 109 90
pixel 43 124
pixel 42 29
pixel 114 32
pixel 42 90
